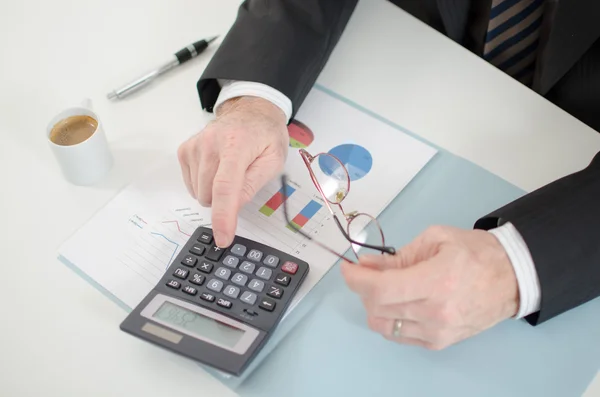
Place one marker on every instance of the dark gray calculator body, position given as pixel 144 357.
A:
pixel 218 307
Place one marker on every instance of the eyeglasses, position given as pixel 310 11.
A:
pixel 332 180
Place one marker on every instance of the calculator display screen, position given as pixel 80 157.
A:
pixel 198 324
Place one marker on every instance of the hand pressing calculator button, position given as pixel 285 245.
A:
pixel 218 306
pixel 214 254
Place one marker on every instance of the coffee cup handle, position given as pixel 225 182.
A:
pixel 87 103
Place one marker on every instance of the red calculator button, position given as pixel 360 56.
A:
pixel 290 267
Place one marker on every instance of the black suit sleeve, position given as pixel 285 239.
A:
pixel 281 43
pixel 560 225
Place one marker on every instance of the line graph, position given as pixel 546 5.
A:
pixel 171 241
pixel 178 227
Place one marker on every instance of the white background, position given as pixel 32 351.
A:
pixel 55 53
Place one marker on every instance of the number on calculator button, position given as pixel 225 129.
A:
pixel 255 255
pixel 247 267
pixel 215 285
pixel 256 285
pixel 248 297
pixel 264 273
pixel 271 261
pixel 231 261
pixel 239 279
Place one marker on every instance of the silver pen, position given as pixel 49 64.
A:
pixel 181 56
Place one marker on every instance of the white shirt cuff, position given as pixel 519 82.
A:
pixel 520 257
pixel 232 89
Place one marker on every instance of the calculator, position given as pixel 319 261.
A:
pixel 218 306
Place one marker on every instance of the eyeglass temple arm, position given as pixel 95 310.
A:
pixel 388 250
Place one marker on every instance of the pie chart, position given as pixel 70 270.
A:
pixel 300 135
pixel 357 160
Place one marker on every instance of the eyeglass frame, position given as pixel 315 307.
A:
pixel 308 159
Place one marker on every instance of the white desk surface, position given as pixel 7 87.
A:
pixel 59 336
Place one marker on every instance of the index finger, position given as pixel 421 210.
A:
pixel 227 188
pixel 389 286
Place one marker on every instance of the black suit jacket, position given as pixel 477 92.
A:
pixel 286 43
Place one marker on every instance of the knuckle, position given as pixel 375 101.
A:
pixel 223 186
pixel 445 315
pixel 437 232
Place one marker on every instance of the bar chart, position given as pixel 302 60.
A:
pixel 276 200
pixel 304 215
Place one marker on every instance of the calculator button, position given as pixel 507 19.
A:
pixel 267 304
pixel 239 279
pixel 180 273
pixel 290 267
pixel 256 285
pixel 271 261
pixel 283 279
pixel 215 285
pixel 174 284
pixel 205 238
pixel 264 273
pixel 255 255
pixel 248 297
pixel 275 292
pixel 214 254
pixel 223 273
pixel 238 249
pixel 224 303
pixel 205 267
pixel 189 260
pixel 231 261
pixel 247 267
pixel 231 291
pixel 197 279
pixel 197 249
pixel 190 290
pixel 207 297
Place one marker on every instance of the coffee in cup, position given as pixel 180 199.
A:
pixel 77 139
pixel 73 130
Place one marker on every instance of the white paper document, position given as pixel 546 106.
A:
pixel 129 244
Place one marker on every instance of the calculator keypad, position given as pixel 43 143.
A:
pixel 181 273
pixel 264 273
pixel 255 279
pixel 206 267
pixel 247 267
pixel 238 249
pixel 248 297
pixel 215 285
pixel 214 254
pixel 256 285
pixel 239 279
pixel 223 273
pixel 255 255
pixel 189 260
pixel 231 291
pixel 231 261
pixel 197 279
pixel 271 261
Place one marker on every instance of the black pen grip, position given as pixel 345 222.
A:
pixel 185 54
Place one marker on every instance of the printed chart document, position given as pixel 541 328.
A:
pixel 129 244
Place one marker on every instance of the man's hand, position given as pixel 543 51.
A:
pixel 225 165
pixel 445 286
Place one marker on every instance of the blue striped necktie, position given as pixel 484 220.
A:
pixel 512 37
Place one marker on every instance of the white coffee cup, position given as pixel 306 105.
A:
pixel 87 162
